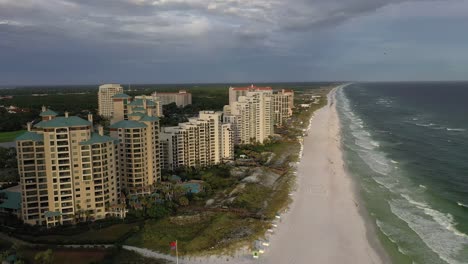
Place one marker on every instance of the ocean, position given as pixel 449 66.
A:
pixel 406 145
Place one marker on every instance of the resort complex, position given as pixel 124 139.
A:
pixel 72 169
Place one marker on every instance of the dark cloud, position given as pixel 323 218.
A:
pixel 184 40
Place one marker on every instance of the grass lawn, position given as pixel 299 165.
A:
pixel 106 235
pixel 10 136
pixel 213 234
pixel 70 256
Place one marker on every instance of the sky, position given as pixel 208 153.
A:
pixel 201 41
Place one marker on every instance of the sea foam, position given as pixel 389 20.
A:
pixel 436 229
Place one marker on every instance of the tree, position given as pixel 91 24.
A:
pixel 158 211
pixel 44 257
pixel 4 255
pixel 183 201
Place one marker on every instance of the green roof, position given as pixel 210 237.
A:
pixel 139 102
pixel 52 214
pixel 48 113
pixel 12 201
pixel 97 139
pixel 128 124
pixel 30 136
pixel 138 109
pixel 136 114
pixel 121 95
pixel 61 121
pixel 149 118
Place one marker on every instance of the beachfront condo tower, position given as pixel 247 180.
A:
pixel 200 142
pixel 136 127
pixel 283 104
pixel 67 171
pixel 105 94
pixel 251 116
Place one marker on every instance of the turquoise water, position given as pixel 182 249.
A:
pixel 407 146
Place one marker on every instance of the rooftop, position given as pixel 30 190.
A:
pixel 121 96
pixel 61 121
pixel 139 102
pixel 138 109
pixel 97 139
pixel 252 87
pixel 12 200
pixel 48 113
pixel 179 92
pixel 30 136
pixel 146 118
pixel 136 114
pixel 128 124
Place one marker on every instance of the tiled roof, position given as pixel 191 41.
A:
pixel 136 114
pixel 138 109
pixel 121 96
pixel 30 136
pixel 128 124
pixel 61 121
pixel 48 113
pixel 149 119
pixel 139 102
pixel 97 139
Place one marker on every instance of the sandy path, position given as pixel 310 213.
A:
pixel 323 224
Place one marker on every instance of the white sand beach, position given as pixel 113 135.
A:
pixel 323 224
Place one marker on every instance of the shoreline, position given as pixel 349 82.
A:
pixel 325 222
pixel 325 218
pixel 371 227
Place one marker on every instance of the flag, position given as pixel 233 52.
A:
pixel 173 245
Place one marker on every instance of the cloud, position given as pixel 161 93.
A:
pixel 171 19
pixel 252 35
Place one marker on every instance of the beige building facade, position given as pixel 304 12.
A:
pixel 67 171
pixel 181 98
pixel 136 127
pixel 200 142
pixel 251 117
pixel 283 104
pixel 105 102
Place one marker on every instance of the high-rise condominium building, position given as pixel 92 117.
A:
pixel 236 92
pixel 136 127
pixel 251 116
pixel 124 104
pixel 67 171
pixel 105 94
pixel 200 142
pixel 181 98
pixel 283 103
pixel 154 100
